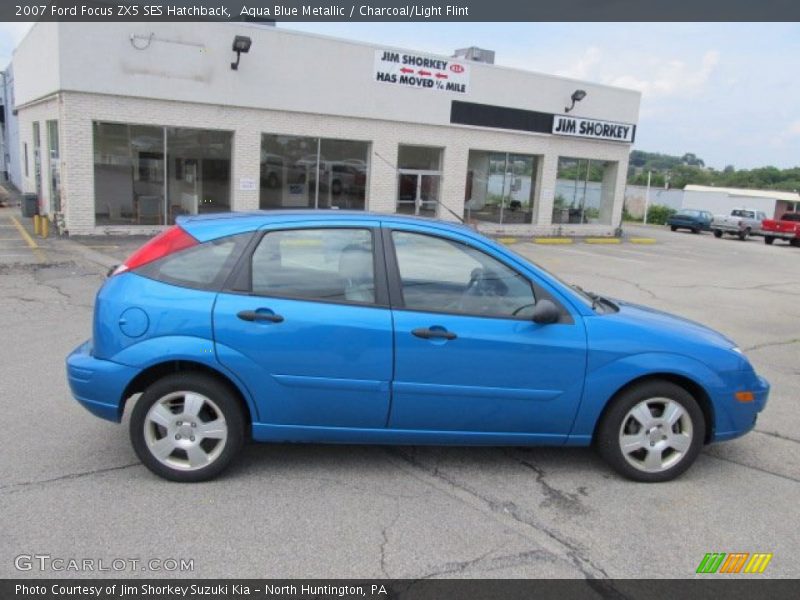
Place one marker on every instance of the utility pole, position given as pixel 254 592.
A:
pixel 647 197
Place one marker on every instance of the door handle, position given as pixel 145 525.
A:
pixel 253 315
pixel 427 333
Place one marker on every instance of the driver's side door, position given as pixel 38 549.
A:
pixel 468 357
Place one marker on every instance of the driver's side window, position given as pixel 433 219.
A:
pixel 446 276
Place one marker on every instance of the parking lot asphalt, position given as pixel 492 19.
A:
pixel 71 486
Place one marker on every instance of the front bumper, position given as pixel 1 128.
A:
pixel 735 418
pixel 98 385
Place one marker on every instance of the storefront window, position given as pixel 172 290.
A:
pixel 500 187
pixel 584 191
pixel 306 172
pixel 149 175
pixel 419 180
pixel 199 171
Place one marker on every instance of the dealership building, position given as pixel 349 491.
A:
pixel 122 127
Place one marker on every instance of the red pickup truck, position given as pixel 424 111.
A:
pixel 786 228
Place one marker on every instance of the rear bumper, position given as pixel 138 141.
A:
pixel 98 385
pixel 784 235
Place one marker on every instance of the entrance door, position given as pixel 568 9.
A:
pixel 418 192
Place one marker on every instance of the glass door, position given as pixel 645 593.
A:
pixel 418 193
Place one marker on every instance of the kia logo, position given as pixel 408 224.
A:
pixel 456 68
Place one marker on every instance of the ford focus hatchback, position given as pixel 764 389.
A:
pixel 336 327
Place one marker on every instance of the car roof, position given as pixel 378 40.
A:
pixel 214 225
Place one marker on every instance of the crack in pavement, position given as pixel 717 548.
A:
pixel 462 566
pixel 13 488
pixel 777 435
pixel 638 286
pixel 741 464
pixel 554 496
pixel 771 344
pixel 577 556
pixel 385 537
pixel 761 286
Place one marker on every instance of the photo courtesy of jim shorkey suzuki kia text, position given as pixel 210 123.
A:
pixel 168 590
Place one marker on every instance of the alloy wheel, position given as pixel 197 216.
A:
pixel 185 430
pixel 655 434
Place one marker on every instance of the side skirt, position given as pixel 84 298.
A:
pixel 263 432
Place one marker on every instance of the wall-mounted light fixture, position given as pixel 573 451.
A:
pixel 241 44
pixel 577 96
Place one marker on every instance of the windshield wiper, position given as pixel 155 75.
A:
pixel 595 298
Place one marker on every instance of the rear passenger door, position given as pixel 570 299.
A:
pixel 305 322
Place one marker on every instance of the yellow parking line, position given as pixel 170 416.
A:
pixel 602 240
pixel 552 241
pixel 28 239
pixel 642 240
pixel 507 240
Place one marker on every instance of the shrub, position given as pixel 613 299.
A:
pixel 658 215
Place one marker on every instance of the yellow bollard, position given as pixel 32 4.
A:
pixel 45 227
pixel 37 224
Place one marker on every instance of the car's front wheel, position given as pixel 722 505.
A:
pixel 717 233
pixel 652 432
pixel 187 427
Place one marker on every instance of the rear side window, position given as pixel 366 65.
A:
pixel 205 266
pixel 791 217
pixel 332 265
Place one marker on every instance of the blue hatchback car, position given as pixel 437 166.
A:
pixel 337 327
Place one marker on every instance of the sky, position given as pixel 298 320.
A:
pixel 727 92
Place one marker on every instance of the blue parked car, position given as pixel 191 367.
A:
pixel 693 220
pixel 339 327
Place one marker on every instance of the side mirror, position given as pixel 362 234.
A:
pixel 545 312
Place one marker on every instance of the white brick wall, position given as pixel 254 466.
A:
pixel 76 111
pixel 40 112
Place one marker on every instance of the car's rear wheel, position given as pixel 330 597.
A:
pixel 717 233
pixel 187 427
pixel 695 230
pixel 652 432
pixel 768 240
pixel 744 234
pixel 673 228
pixel 795 242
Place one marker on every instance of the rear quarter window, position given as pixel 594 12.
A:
pixel 205 266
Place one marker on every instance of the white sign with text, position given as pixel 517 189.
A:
pixel 593 128
pixel 420 71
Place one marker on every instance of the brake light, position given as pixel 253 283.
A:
pixel 167 242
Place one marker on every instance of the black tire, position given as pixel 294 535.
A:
pixel 673 228
pixel 273 181
pixel 212 389
pixel 336 187
pixel 743 235
pixel 794 242
pixel 695 230
pixel 768 240
pixel 607 437
pixel 717 233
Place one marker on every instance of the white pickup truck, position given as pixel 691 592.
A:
pixel 742 222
